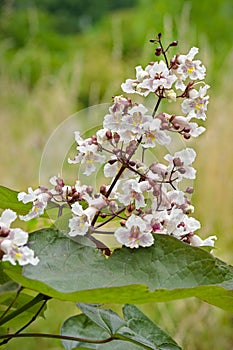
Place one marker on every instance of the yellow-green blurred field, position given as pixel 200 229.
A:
pixel 36 98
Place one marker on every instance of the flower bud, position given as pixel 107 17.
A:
pixel 116 137
pixel 109 135
pixel 158 168
pixel 170 95
pixel 182 170
pixel 174 43
pixel 187 136
pixel 130 208
pixel 113 206
pixel 89 190
pixel 103 190
pixel 189 190
pixel 177 162
pixel 158 51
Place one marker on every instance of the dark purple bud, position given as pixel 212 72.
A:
pixel 132 163
pixel 76 197
pixel 187 136
pixel 109 135
pixel 103 190
pixel 89 190
pixel 158 51
pixel 189 190
pixel 176 126
pixel 174 43
pixel 112 161
pixel 187 129
pixel 177 162
pixel 4 231
pixel 159 36
pixel 130 208
pixel 182 170
pixel 116 137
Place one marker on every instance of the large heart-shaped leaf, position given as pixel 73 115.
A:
pixel 167 270
pixel 136 331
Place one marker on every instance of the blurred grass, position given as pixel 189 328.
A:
pixel 48 77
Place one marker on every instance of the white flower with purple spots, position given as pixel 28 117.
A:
pixel 134 234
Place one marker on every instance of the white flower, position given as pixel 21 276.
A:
pixel 154 134
pixel 196 130
pixel 176 223
pixel 196 241
pixel 190 68
pixel 181 161
pixel 156 75
pixel 134 234
pixel 160 77
pixel 133 192
pixel 133 123
pixel 39 198
pixel 196 105
pixel 7 217
pixel 87 154
pixel 13 242
pixel 21 254
pixel 81 222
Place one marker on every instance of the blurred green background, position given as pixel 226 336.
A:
pixel 58 57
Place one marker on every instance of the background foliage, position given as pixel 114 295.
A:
pixel 57 57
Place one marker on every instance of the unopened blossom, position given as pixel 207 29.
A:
pixel 180 163
pixel 87 154
pixel 196 105
pixel 134 234
pixel 13 241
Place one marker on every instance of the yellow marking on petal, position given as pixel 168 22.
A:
pixel 199 106
pixel 191 69
pixel 18 255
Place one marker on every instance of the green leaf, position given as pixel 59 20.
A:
pixel 139 332
pixel 147 330
pixel 9 200
pixel 83 327
pixel 168 270
pixel 7 286
pixel 107 319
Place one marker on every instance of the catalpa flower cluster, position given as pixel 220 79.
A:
pixel 140 197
